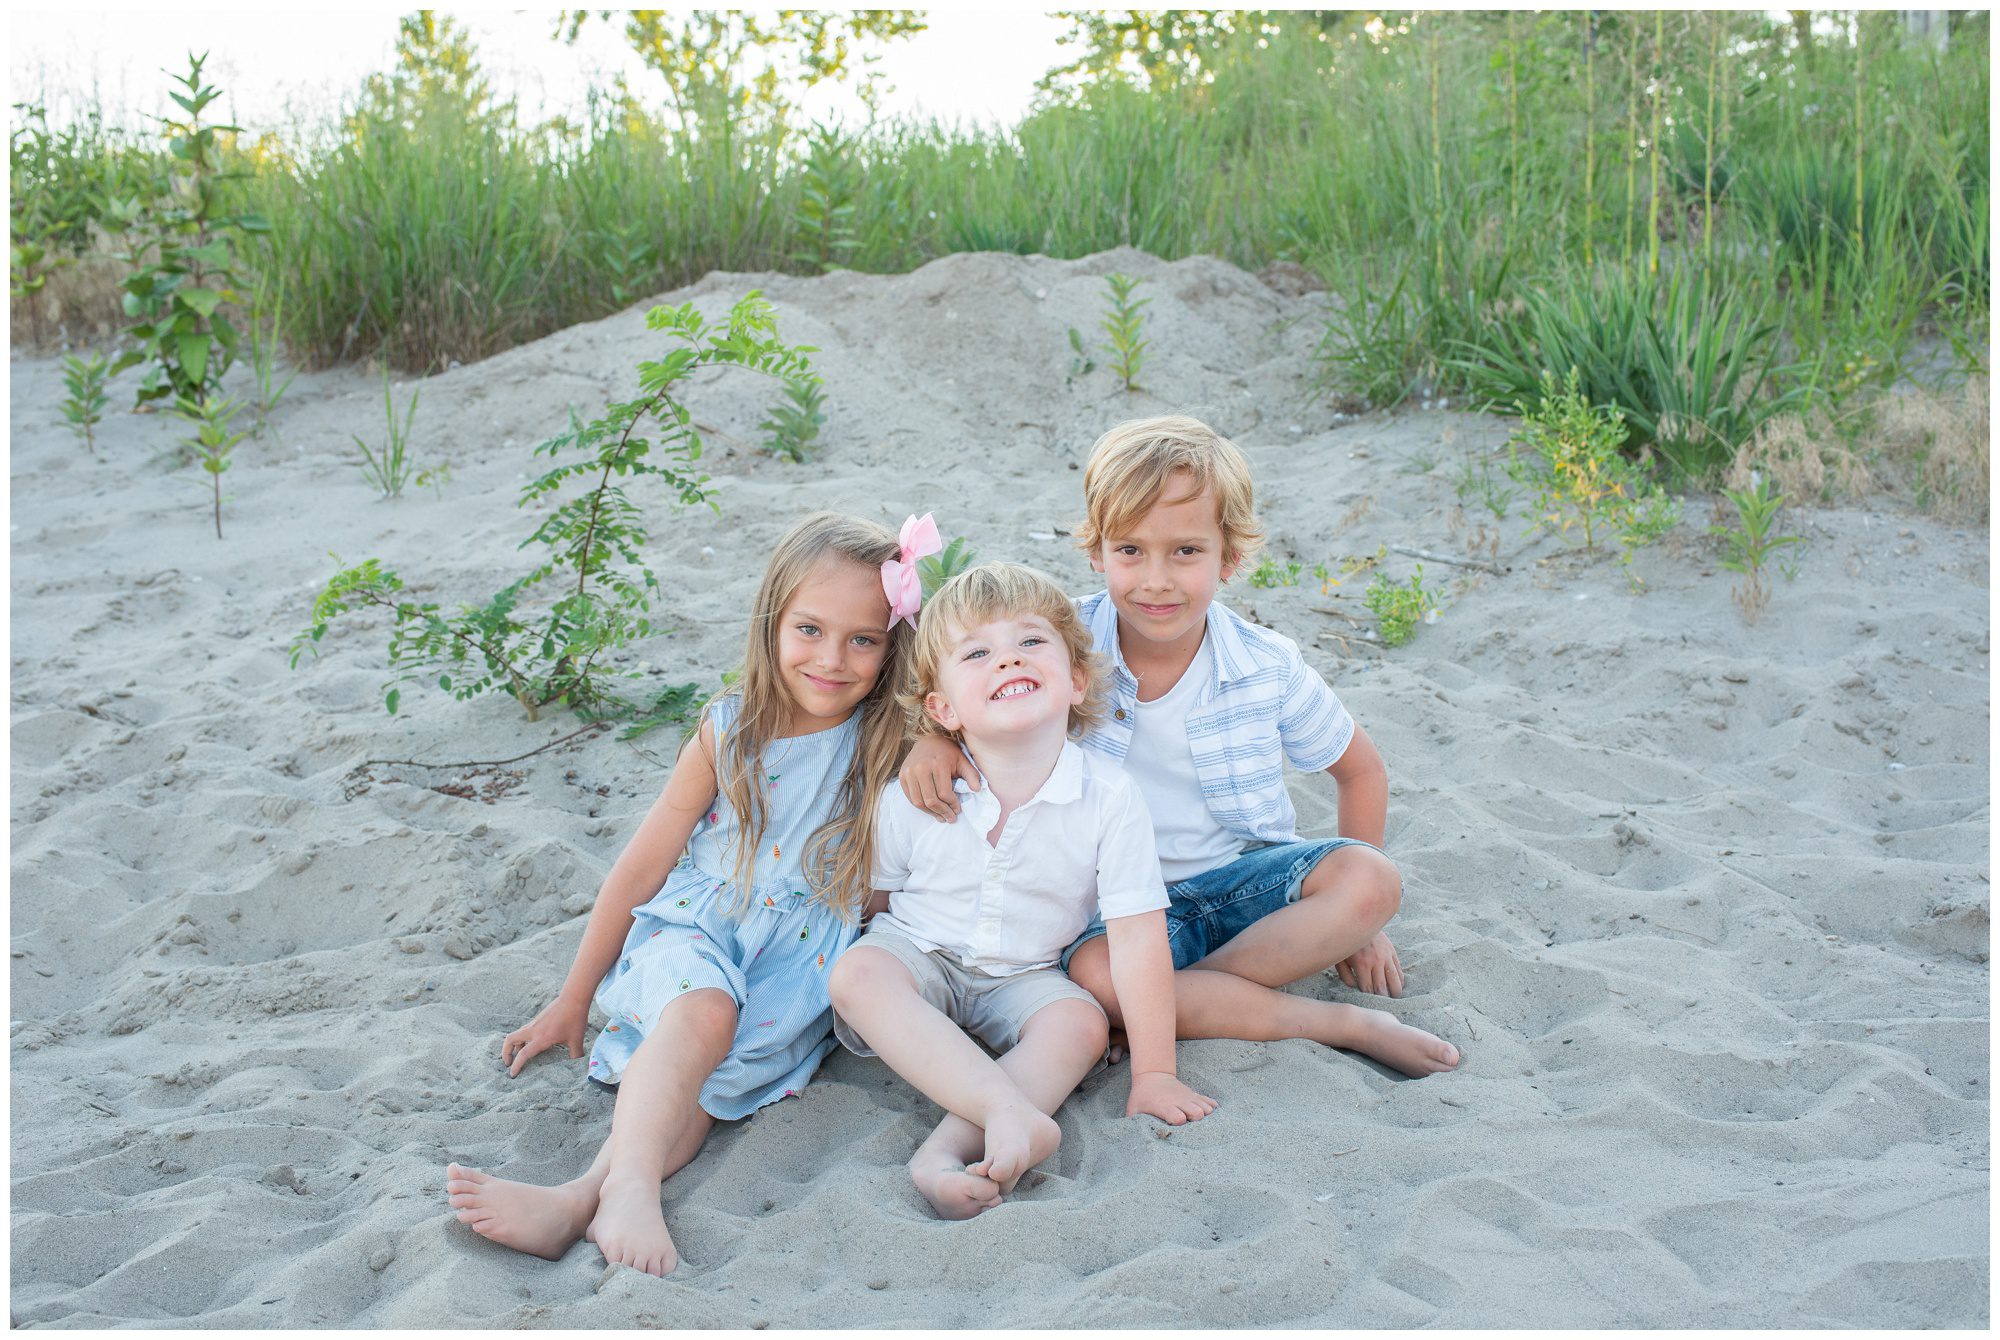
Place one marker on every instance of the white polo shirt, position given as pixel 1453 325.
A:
pixel 1082 845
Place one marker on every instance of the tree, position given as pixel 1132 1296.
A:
pixel 716 60
pixel 1167 48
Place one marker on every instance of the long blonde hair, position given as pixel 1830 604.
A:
pixel 838 856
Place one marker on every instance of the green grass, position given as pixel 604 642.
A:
pixel 423 235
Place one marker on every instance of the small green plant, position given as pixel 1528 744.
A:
pixel 1747 545
pixel 181 298
pixel 267 319
pixel 630 258
pixel 830 187
pixel 1325 578
pixel 391 468
pixel 1123 324
pixel 1478 480
pixel 940 568
pixel 794 422
pixel 1082 365
pixel 1398 609
pixel 1580 478
pixel 671 706
pixel 212 441
pixel 1270 573
pixel 85 379
pixel 31 259
pixel 543 638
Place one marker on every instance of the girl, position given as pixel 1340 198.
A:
pixel 745 880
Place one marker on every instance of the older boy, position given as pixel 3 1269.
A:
pixel 1207 708
pixel 979 913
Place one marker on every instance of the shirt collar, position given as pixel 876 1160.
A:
pixel 1064 784
pixel 1226 650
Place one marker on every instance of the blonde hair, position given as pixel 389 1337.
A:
pixel 837 858
pixel 995 591
pixel 1132 465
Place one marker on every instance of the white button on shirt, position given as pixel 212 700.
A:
pixel 1083 844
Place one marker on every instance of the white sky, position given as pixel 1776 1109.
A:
pixel 273 64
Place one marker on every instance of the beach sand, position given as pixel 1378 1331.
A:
pixel 1704 904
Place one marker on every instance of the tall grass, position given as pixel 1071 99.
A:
pixel 1446 174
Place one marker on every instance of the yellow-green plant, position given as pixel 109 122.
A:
pixel 85 379
pixel 1123 324
pixel 1746 545
pixel 1270 573
pixel 1580 478
pixel 1399 609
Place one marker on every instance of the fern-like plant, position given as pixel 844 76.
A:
pixel 1123 324
pixel 544 637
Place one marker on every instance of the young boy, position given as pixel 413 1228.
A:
pixel 979 913
pixel 1207 708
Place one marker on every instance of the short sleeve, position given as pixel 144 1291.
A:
pixel 890 869
pixel 1128 861
pixel 1313 725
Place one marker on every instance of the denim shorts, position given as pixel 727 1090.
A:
pixel 1211 909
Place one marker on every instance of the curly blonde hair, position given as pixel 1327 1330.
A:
pixel 994 591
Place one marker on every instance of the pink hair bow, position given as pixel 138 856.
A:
pixel 900 582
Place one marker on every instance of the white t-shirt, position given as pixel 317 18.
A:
pixel 1081 845
pixel 1159 761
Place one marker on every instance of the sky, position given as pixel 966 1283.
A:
pixel 276 64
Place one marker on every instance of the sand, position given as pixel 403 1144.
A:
pixel 1704 904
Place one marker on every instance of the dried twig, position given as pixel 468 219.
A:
pixel 1678 931
pixel 481 763
pixel 1429 557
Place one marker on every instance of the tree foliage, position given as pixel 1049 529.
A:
pixel 728 61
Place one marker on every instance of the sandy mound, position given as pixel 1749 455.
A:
pixel 1705 905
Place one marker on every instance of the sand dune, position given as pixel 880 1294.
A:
pixel 1705 905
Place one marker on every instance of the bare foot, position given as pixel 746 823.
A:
pixel 539 1220
pixel 630 1229
pixel 1017 1138
pixel 1379 1034
pixel 953 1190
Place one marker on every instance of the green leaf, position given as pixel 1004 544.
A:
pixel 193 351
pixel 202 300
pixel 395 697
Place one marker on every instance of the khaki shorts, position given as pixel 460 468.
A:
pixel 992 1009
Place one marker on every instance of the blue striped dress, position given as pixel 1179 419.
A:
pixel 772 958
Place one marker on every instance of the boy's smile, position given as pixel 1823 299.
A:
pixel 1009 676
pixel 1163 573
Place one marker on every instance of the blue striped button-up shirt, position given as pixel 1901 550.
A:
pixel 1263 705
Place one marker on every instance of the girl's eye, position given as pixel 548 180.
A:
pixel 974 653
pixel 1126 549
pixel 1033 640
pixel 1190 548
pixel 863 640
pixel 809 629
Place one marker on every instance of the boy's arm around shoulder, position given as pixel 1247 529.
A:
pixel 1142 966
pixel 636 876
pixel 927 773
